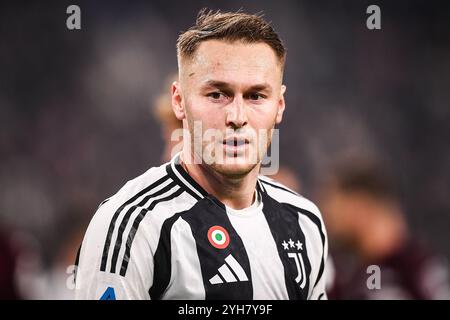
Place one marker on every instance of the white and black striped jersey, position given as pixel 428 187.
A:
pixel 162 236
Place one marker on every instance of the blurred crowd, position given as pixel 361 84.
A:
pixel 364 133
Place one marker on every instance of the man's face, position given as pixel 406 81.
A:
pixel 233 92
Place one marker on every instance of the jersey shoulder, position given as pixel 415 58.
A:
pixel 283 194
pixel 153 191
pixel 129 216
pixel 153 179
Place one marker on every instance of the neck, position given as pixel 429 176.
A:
pixel 237 192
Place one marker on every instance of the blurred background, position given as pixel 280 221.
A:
pixel 77 120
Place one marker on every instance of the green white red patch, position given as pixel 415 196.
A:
pixel 218 237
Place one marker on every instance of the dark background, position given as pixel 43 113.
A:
pixel 75 106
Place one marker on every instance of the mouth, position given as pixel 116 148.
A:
pixel 236 146
pixel 235 142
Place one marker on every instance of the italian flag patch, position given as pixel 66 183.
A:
pixel 218 237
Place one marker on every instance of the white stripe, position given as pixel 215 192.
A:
pixel 302 285
pixel 215 280
pixel 313 243
pixel 129 225
pixel 261 185
pixel 135 212
pixel 226 273
pixel 184 282
pixel 236 268
pixel 172 164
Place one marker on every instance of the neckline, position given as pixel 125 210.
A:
pixel 185 179
pixel 179 174
pixel 250 211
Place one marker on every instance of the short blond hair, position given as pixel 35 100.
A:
pixel 229 26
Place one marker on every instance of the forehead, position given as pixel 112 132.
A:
pixel 232 60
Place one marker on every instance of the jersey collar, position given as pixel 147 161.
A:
pixel 176 170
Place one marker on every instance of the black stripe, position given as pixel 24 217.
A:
pixel 127 216
pixel 203 215
pixel 77 261
pixel 179 168
pixel 317 222
pixel 162 265
pixel 77 258
pixel 231 270
pixel 135 227
pixel 116 215
pixel 221 277
pixel 283 224
pixel 321 296
pixel 263 189
pixel 103 202
pixel 180 183
pixel 189 179
pixel 279 187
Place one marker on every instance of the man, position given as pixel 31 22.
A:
pixel 206 225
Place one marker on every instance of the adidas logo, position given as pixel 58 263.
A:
pixel 227 275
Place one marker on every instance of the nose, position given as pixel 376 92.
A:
pixel 236 113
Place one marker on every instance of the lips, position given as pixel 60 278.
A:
pixel 235 141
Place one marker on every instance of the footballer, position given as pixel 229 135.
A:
pixel 207 224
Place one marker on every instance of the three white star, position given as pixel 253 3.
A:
pixel 292 244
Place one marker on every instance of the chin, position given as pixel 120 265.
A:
pixel 234 165
pixel 234 169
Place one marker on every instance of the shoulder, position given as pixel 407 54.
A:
pixel 153 180
pixel 132 218
pixel 309 219
pixel 153 191
pixel 285 195
pixel 307 210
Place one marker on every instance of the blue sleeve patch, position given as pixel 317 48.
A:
pixel 109 294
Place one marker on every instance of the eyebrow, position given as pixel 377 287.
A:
pixel 225 86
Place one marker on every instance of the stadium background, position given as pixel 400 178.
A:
pixel 76 121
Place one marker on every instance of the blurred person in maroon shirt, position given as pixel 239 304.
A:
pixel 367 226
pixel 8 259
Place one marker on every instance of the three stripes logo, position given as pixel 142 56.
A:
pixel 230 271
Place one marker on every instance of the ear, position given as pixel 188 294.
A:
pixel 177 101
pixel 281 105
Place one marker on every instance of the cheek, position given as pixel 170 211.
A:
pixel 209 116
pixel 263 117
pixel 193 110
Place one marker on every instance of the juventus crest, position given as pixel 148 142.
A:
pixel 297 247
